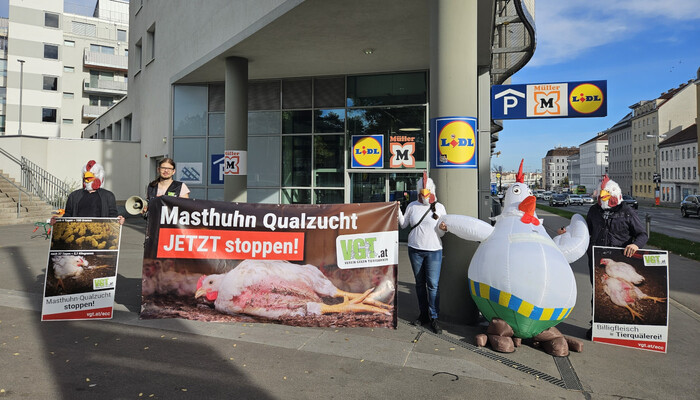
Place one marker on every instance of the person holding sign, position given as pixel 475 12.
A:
pixel 425 249
pixel 164 184
pixel 92 200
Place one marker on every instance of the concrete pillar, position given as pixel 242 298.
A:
pixel 453 92
pixel 236 123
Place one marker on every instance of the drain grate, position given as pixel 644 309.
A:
pixel 569 379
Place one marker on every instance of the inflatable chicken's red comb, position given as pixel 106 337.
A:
pixel 606 179
pixel 520 178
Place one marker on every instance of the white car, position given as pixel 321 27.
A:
pixel 546 195
pixel 587 200
pixel 575 199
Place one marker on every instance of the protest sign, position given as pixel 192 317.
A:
pixel 630 298
pixel 305 265
pixel 81 273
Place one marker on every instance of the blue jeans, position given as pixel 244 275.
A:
pixel 426 269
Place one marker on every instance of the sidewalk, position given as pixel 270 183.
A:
pixel 170 359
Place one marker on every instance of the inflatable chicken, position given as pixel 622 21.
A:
pixel 519 274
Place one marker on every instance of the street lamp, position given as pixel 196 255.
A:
pixel 657 174
pixel 21 78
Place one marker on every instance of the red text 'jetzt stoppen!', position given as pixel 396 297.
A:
pixel 204 243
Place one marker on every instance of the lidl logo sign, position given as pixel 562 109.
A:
pixel 368 151
pixel 549 100
pixel 455 142
pixel 586 98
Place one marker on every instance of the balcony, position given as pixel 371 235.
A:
pixel 110 62
pixel 104 86
pixel 92 112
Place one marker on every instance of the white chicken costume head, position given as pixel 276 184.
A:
pixel 518 273
pixel 426 190
pixel 610 194
pixel 93 176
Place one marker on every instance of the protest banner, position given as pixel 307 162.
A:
pixel 302 265
pixel 81 273
pixel 630 298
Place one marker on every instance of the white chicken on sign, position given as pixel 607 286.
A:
pixel 619 282
pixel 68 267
pixel 275 289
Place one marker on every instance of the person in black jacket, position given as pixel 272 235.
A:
pixel 164 184
pixel 613 223
pixel 92 200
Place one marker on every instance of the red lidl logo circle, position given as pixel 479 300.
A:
pixel 586 98
pixel 367 151
pixel 456 142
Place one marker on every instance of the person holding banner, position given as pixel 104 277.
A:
pixel 92 200
pixel 612 223
pixel 164 184
pixel 425 250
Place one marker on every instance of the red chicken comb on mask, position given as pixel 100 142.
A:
pixel 520 177
pixel 606 179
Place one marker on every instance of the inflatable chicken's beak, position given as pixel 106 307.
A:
pixel 425 192
pixel 604 195
pixel 88 176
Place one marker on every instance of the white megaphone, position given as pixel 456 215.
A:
pixel 134 205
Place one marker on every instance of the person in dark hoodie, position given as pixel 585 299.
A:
pixel 92 200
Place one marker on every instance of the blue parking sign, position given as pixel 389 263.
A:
pixel 217 169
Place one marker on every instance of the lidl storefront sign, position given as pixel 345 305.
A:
pixel 550 100
pixel 454 142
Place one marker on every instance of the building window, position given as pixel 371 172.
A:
pixel 139 55
pixel 68 95
pixel 69 43
pixel 51 51
pixel 48 115
pixel 151 42
pixel 50 83
pixel 121 35
pixel 51 20
pixel 96 48
pixel 68 69
pixel 81 28
pixel 68 121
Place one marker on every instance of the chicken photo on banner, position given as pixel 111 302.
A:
pixel 626 290
pixel 221 279
pixel 75 272
pixel 519 277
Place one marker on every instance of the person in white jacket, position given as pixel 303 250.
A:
pixel 425 250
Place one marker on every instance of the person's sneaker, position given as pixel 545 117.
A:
pixel 422 319
pixel 435 327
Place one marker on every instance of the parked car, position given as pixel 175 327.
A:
pixel 575 199
pixel 690 205
pixel 587 199
pixel 559 200
pixel 538 193
pixel 631 201
pixel 546 195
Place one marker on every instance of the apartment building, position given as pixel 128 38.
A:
pixel 63 70
pixel 594 161
pixel 679 169
pixel 555 167
pixel 652 122
pixel 620 153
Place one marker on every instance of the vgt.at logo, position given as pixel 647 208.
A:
pixel 586 98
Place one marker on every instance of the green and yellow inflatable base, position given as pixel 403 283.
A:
pixel 526 319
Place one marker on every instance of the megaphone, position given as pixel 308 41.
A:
pixel 134 205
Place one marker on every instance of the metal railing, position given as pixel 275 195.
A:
pixel 44 185
pixel 19 194
pixel 39 182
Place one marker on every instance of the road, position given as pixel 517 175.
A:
pixel 663 220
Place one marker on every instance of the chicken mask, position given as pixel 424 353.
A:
pixel 610 194
pixel 426 190
pixel 93 176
